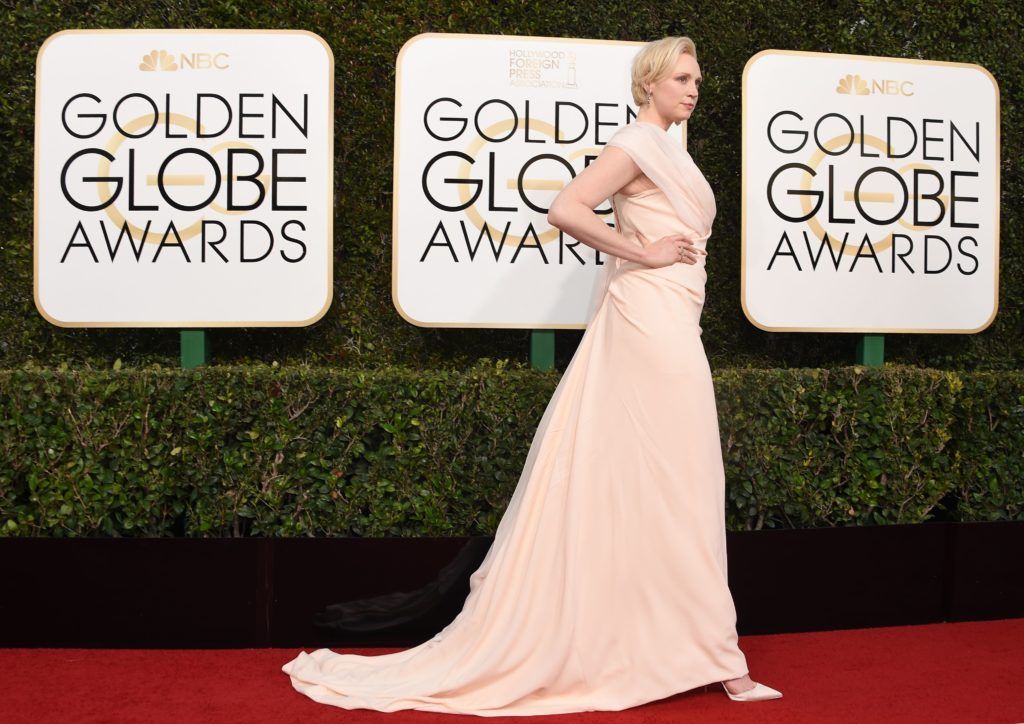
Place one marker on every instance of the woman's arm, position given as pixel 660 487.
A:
pixel 572 211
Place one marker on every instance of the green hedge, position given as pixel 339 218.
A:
pixel 362 329
pixel 272 451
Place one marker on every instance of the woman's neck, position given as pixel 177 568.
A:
pixel 661 123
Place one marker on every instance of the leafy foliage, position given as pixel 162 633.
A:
pixel 271 451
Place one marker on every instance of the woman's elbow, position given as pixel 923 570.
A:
pixel 556 213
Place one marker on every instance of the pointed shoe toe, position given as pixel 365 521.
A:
pixel 760 692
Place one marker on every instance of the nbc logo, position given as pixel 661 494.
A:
pixel 158 60
pixel 855 85
pixel 852 84
pixel 162 60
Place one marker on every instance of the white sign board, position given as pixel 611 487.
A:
pixel 488 129
pixel 870 194
pixel 183 178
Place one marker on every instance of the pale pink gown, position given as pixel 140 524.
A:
pixel 606 584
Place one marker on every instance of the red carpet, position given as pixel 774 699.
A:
pixel 949 672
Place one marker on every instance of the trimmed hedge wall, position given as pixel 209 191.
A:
pixel 272 451
pixel 362 328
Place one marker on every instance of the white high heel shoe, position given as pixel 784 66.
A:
pixel 760 692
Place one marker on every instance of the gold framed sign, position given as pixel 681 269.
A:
pixel 184 178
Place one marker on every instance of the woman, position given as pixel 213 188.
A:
pixel 606 584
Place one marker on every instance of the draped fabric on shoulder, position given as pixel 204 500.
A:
pixel 665 162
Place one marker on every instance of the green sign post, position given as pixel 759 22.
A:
pixel 195 348
pixel 871 350
pixel 542 349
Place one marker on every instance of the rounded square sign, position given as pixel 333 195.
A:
pixel 870 194
pixel 488 130
pixel 183 178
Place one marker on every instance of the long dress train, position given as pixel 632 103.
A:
pixel 606 583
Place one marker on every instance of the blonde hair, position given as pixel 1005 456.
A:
pixel 655 60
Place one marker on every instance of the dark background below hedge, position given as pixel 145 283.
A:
pixel 362 328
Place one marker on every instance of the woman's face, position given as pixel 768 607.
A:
pixel 675 95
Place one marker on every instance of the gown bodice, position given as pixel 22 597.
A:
pixel 647 216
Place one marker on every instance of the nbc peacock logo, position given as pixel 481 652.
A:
pixel 158 60
pixel 853 85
